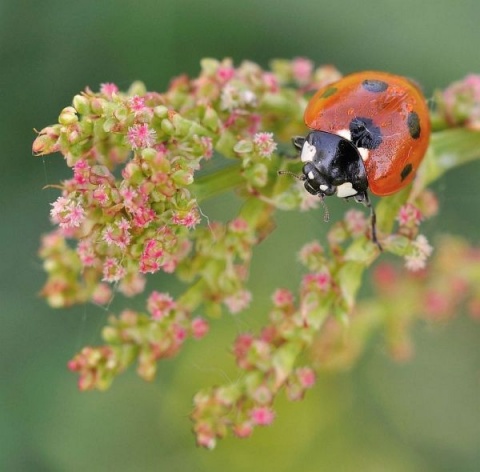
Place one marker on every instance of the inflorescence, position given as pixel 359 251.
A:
pixel 142 162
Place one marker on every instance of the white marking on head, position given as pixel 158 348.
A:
pixel 311 175
pixel 308 152
pixel 323 187
pixel 364 153
pixel 344 133
pixel 346 190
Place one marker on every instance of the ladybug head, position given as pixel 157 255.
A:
pixel 332 165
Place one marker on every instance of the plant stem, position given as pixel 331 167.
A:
pixel 214 184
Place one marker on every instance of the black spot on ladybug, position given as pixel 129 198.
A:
pixel 329 92
pixel 413 122
pixel 364 133
pixel 375 86
pixel 406 171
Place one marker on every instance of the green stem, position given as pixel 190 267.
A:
pixel 218 182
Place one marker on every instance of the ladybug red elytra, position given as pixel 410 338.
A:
pixel 369 130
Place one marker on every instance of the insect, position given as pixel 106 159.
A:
pixel 369 130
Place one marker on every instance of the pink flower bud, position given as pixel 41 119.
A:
pixel 262 415
pixel 243 430
pixel 199 327
pixel 306 376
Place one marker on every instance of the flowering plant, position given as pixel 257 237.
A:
pixel 142 163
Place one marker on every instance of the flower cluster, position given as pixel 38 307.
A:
pixel 325 298
pixel 459 104
pixel 130 204
pixel 141 166
pixel 446 288
pixel 146 338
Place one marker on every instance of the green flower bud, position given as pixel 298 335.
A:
pixel 243 147
pixel 68 116
pixel 167 126
pixel 137 88
pixel 210 119
pixel 161 111
pixel 81 104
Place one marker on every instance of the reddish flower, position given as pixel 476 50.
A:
pixel 262 416
pixel 108 89
pixel 199 327
pixel 160 305
pixel 141 136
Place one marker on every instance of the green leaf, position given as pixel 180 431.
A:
pixel 448 149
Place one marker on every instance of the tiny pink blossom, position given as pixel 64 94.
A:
pixel 255 120
pixel 307 377
pixel 150 260
pixel 317 281
pixel 271 82
pixel 262 415
pixel 67 213
pixel 206 439
pixel 415 262
pixel 143 216
pixel 81 172
pixel 225 73
pixel 101 196
pixel 282 297
pixel 356 222
pixel 189 220
pixel 421 243
pixel 102 294
pixel 86 253
pixel 129 194
pixel 137 104
pixel 233 98
pixel 160 305
pixel 243 430
pixel 179 333
pixel 169 265
pixel 200 327
pixel 409 214
pixel 302 70
pixel 241 346
pixel 141 136
pixel 262 395
pixel 264 144
pixel 207 144
pixel 308 201
pixel 238 225
pixel 117 233
pixel 112 270
pixel 230 98
pixel 238 302
pixel 132 284
pixel 313 248
pixel 108 89
pixel 51 240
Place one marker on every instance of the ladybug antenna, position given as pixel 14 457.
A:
pixel 326 213
pixel 287 172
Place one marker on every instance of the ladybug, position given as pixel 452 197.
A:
pixel 369 130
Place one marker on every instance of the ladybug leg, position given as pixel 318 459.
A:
pixel 364 200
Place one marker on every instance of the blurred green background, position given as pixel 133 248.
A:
pixel 381 416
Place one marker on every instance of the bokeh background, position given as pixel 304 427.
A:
pixel 420 416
